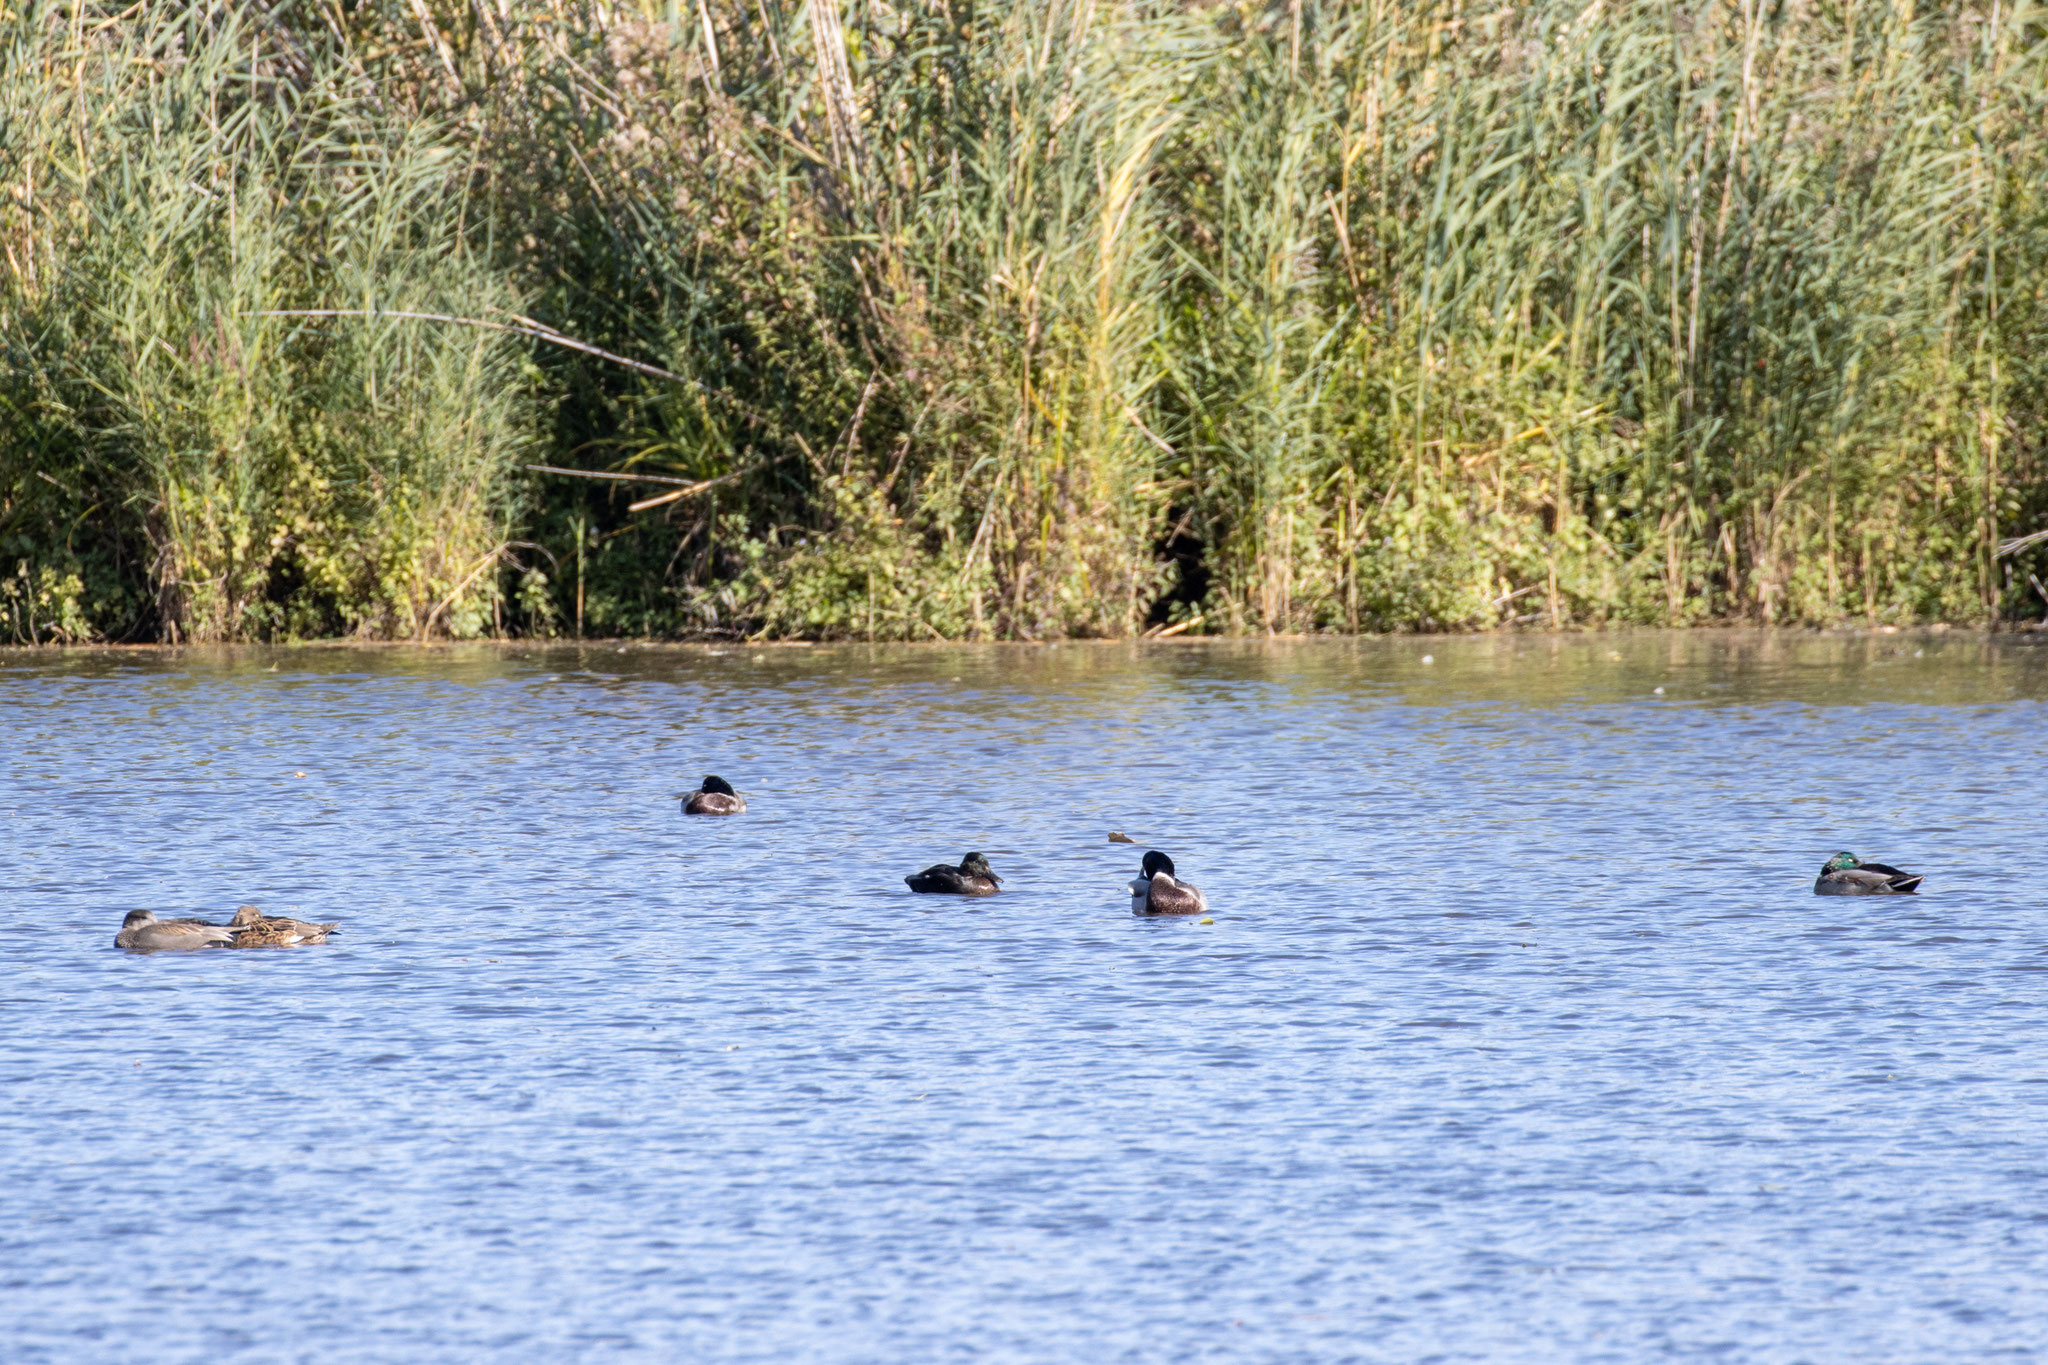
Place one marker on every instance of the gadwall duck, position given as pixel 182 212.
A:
pixel 144 932
pixel 973 877
pixel 254 929
pixel 1844 875
pixel 1157 893
pixel 715 797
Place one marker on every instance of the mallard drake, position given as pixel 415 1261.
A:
pixel 254 929
pixel 1843 875
pixel 972 878
pixel 715 797
pixel 144 932
pixel 1157 893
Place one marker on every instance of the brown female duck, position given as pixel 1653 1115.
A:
pixel 254 929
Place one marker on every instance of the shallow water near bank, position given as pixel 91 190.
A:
pixel 1518 1035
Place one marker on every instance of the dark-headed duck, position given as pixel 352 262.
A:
pixel 972 878
pixel 715 797
pixel 1157 893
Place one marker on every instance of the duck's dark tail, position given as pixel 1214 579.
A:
pixel 1906 886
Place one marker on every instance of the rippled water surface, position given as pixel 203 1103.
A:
pixel 1518 1035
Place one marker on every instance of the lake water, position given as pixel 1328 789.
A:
pixel 1518 1035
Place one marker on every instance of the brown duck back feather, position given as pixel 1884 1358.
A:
pixel 271 932
pixel 1167 896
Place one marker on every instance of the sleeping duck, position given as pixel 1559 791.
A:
pixel 1157 893
pixel 1843 875
pixel 144 932
pixel 972 878
pixel 715 797
pixel 254 929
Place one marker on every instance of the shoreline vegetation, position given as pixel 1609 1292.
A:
pixel 2024 634
pixel 986 319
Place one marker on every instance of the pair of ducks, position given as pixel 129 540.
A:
pixel 1154 892
pixel 250 928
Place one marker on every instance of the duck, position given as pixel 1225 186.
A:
pixel 715 797
pixel 972 878
pixel 142 931
pixel 1844 875
pixel 1156 892
pixel 254 929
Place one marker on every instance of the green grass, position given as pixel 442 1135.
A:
pixel 195 469
pixel 1020 320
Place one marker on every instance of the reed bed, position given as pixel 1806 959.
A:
pixel 960 319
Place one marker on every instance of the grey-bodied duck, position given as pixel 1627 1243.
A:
pixel 714 797
pixel 973 877
pixel 1157 892
pixel 143 932
pixel 1845 875
pixel 254 929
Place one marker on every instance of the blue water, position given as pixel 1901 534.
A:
pixel 1518 1034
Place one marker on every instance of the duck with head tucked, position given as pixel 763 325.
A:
pixel 254 929
pixel 1844 875
pixel 715 797
pixel 143 932
pixel 1157 892
pixel 973 877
